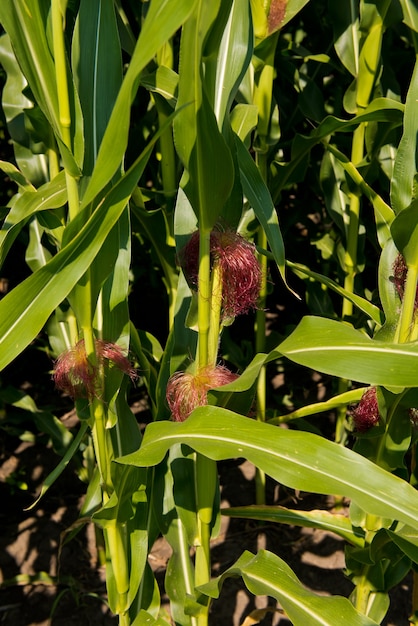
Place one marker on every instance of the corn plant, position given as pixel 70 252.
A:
pixel 188 126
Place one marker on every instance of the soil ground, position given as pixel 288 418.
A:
pixel 47 584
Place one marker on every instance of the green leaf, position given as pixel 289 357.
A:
pixel 211 169
pixel 258 196
pixel 410 13
pixel 193 36
pixel 297 459
pixel 383 212
pixel 389 297
pixel 154 227
pixel 163 81
pixel 28 31
pixel 13 100
pixel 17 109
pixel 25 310
pixel 338 524
pixel 243 121
pixel 145 619
pixel 369 62
pixel 52 477
pixel 338 349
pixel 163 19
pixel 36 254
pixel 97 63
pixel 340 400
pixel 278 18
pixel 269 17
pixel 267 574
pixel 403 188
pixel 405 233
pixel 333 180
pixel 16 176
pixel 175 509
pixel 406 539
pixel 379 110
pixel 148 598
pixel 199 142
pixel 232 58
pixel 345 23
pixel 361 303
pixel 49 196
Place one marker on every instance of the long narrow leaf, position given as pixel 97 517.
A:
pixel 96 54
pixel 259 197
pixel 266 573
pixel 57 471
pixel 164 17
pixel 338 349
pixel 49 196
pixel 338 524
pixel 379 110
pixel 362 304
pixel 25 310
pixel 299 460
pixel 403 189
pixel 26 24
pixel 233 58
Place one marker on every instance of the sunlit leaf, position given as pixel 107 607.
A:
pixel 97 62
pixel 266 573
pixel 163 19
pixel 25 310
pixel 410 13
pixel 49 196
pixel 299 460
pixel 338 349
pixel 345 22
pixel 403 188
pixel 333 522
pixel 259 198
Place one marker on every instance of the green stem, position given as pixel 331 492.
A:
pixel 350 267
pixel 209 311
pixel 97 412
pixel 204 299
pixel 262 98
pixel 61 71
pixel 53 163
pixel 215 314
pixel 350 257
pixel 260 343
pixel 406 319
pixel 100 443
pixel 124 619
pixel 63 99
pixel 260 319
pixel 206 485
pixel 115 537
pixel 117 555
pixel 381 448
pixel 362 592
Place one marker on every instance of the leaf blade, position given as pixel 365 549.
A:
pixel 297 459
